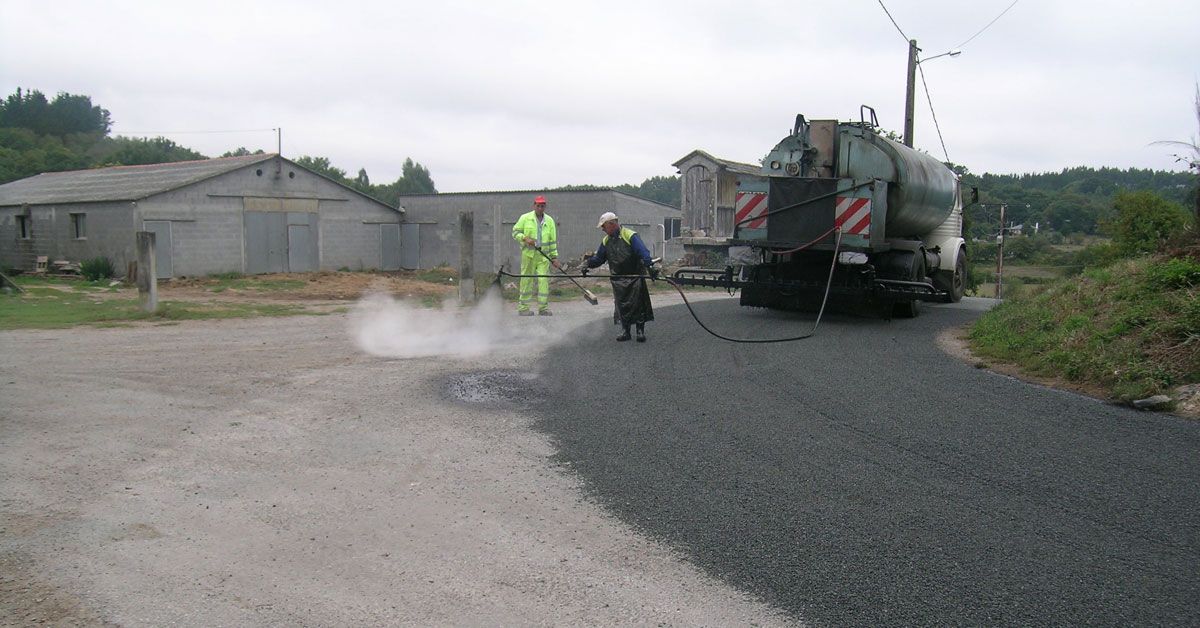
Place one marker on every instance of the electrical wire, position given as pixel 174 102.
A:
pixel 933 113
pixel 193 132
pixel 989 24
pixel 889 14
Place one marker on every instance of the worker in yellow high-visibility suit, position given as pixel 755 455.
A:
pixel 535 230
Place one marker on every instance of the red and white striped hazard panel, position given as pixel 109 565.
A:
pixel 751 205
pixel 853 215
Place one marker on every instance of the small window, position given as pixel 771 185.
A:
pixel 671 228
pixel 79 226
pixel 23 227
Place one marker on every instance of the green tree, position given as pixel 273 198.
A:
pixel 1144 222
pixel 242 151
pixel 1071 212
pixel 67 114
pixel 362 182
pixel 76 114
pixel 665 190
pixel 136 151
pixel 322 166
pixel 414 179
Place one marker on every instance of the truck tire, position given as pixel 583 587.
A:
pixel 954 284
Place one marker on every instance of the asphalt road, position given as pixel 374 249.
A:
pixel 864 477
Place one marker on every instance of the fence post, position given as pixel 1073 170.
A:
pixel 147 276
pixel 466 257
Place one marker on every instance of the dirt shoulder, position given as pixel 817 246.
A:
pixel 320 286
pixel 270 472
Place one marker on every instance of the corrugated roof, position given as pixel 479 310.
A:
pixel 535 192
pixel 735 166
pixel 118 183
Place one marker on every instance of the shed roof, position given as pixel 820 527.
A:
pixel 118 183
pixel 536 192
pixel 734 166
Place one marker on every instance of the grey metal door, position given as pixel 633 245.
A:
pixel 266 238
pixel 302 242
pixel 162 246
pixel 410 246
pixel 389 243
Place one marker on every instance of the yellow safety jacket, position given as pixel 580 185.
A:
pixel 527 227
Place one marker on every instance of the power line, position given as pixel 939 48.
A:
pixel 194 132
pixel 933 113
pixel 1014 3
pixel 889 14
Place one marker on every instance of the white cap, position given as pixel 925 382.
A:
pixel 605 217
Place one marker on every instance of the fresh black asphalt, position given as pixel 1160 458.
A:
pixel 864 478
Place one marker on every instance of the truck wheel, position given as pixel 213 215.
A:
pixel 953 284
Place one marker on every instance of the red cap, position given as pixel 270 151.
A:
pixel 540 200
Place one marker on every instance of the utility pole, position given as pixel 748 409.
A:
pixel 910 93
pixel 1000 256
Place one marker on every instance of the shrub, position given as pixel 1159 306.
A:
pixel 1096 256
pixel 1145 222
pixel 1178 272
pixel 96 268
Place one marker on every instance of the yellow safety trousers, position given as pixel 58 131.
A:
pixel 533 263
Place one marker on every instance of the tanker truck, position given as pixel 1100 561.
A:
pixel 845 214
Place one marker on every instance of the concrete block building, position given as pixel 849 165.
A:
pixel 253 214
pixel 433 219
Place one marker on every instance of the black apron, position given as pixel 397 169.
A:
pixel 631 298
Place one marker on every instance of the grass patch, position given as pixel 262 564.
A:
pixel 1132 328
pixel 235 281
pixel 42 307
pixel 440 274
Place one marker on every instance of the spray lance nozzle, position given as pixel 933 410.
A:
pixel 587 294
pixel 499 274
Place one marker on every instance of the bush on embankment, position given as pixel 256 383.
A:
pixel 1131 328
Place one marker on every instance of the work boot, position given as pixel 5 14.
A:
pixel 524 312
pixel 545 313
pixel 641 333
pixel 624 335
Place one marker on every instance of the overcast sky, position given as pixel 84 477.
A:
pixel 524 95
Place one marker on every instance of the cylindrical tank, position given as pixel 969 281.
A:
pixel 921 189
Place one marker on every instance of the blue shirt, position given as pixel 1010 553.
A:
pixel 639 249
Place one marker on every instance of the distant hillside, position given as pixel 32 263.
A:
pixel 1075 200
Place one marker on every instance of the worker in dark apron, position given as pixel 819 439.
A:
pixel 626 255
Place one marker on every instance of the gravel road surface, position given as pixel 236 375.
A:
pixel 865 478
pixel 269 472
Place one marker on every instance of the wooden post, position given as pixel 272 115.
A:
pixel 466 257
pixel 147 277
pixel 497 237
pixel 1000 256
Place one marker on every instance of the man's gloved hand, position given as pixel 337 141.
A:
pixel 654 273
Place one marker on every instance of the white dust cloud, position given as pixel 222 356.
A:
pixel 385 327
